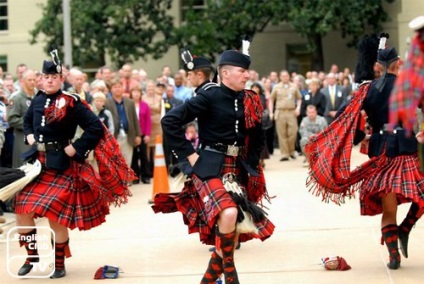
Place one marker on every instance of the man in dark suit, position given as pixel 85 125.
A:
pixel 170 100
pixel 334 96
pixel 125 119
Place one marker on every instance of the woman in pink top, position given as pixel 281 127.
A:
pixel 139 160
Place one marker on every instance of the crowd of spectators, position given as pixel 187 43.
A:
pixel 131 103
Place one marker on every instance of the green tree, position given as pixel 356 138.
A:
pixel 314 19
pixel 125 30
pixel 223 22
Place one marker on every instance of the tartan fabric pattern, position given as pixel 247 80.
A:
pixel 330 176
pixel 400 175
pixel 253 110
pixel 256 187
pixel 408 92
pixel 201 216
pixel 115 174
pixel 58 197
pixel 79 197
pixel 215 199
pixel 329 154
pixel 55 112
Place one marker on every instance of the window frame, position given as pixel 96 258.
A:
pixel 4 3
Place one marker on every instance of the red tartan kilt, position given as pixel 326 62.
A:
pixel 63 197
pixel 400 175
pixel 201 202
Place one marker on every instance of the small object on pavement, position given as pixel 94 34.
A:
pixel 334 263
pixel 107 272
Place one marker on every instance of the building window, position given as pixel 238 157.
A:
pixel 3 62
pixel 4 25
pixel 191 5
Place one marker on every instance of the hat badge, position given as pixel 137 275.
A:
pixel 190 65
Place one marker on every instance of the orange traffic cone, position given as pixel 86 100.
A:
pixel 160 173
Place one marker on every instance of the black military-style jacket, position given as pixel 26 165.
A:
pixel 62 131
pixel 201 86
pixel 220 116
pixel 376 105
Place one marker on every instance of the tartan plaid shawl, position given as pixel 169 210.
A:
pixel 409 87
pixel 330 151
pixel 253 109
pixel 114 172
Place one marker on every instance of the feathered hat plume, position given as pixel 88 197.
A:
pixel 187 58
pixel 245 44
pixel 367 56
pixel 55 58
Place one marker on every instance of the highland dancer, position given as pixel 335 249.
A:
pixel 226 182
pixel 67 191
pixel 391 176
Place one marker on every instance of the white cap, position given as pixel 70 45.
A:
pixel 417 23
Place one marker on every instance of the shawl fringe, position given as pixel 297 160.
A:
pixel 329 154
pixel 115 174
pixel 327 195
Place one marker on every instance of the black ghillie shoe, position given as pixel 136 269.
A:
pixel 25 269
pixel 393 264
pixel 58 273
pixel 406 226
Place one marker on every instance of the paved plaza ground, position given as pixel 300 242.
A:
pixel 155 248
